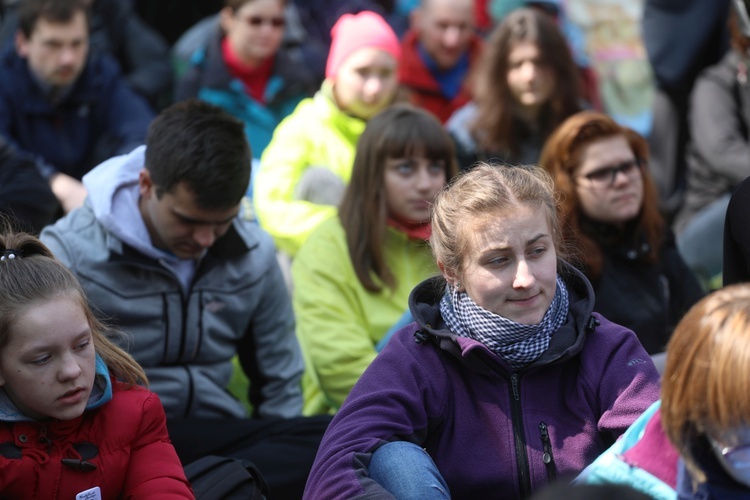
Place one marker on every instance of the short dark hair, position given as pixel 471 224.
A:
pixel 203 146
pixel 57 11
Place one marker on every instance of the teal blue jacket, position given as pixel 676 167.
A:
pixel 617 466
pixel 208 79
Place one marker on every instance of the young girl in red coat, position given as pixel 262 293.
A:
pixel 74 422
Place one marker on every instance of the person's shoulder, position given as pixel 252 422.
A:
pixel 12 68
pixel 325 244
pixel 609 343
pixel 609 330
pixel 73 223
pixel 129 407
pixel 306 112
pixel 723 74
pixel 258 243
pixel 329 231
pixel 461 117
pixel 102 68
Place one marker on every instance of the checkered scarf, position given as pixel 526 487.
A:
pixel 517 344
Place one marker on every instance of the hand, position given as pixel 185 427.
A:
pixel 69 191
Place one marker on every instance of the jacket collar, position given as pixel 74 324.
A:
pixel 83 92
pixel 567 342
pixel 287 77
pixel 350 127
pixel 412 70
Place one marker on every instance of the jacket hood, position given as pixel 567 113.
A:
pixel 567 341
pixel 113 195
pixel 351 127
pixel 101 393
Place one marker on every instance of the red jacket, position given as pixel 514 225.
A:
pixel 424 90
pixel 133 456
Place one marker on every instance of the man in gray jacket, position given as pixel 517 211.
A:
pixel 161 253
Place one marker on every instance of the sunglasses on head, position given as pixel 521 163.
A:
pixel 258 21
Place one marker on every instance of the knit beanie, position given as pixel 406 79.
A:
pixel 355 31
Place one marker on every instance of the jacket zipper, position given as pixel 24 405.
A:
pixel 547 458
pixel 524 482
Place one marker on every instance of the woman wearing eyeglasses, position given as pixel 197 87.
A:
pixel 612 222
pixel 244 69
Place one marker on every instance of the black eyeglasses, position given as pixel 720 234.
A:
pixel 604 178
pixel 258 21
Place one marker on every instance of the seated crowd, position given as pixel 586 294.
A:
pixel 360 248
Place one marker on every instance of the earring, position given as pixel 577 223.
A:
pixel 457 285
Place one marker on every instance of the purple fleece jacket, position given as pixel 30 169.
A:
pixel 487 428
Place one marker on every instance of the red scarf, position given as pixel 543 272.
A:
pixel 254 78
pixel 414 230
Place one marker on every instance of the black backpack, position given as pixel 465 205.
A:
pixel 220 478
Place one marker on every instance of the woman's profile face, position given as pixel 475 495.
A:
pixel 366 82
pixel 510 266
pixel 530 80
pixel 609 181
pixel 255 30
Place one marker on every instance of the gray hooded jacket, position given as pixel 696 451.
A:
pixel 185 320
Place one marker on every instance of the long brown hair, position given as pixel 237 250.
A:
pixel 33 275
pixel 561 157
pixel 496 126
pixel 398 132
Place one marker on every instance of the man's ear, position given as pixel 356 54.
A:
pixel 415 19
pixel 145 184
pixel 22 44
pixel 226 19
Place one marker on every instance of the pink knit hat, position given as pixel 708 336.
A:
pixel 355 31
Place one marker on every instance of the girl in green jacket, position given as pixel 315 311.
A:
pixel 308 163
pixel 353 276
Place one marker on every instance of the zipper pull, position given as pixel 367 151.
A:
pixel 547 457
pixel 514 385
pixel 546 444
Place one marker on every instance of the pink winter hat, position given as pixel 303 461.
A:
pixel 355 31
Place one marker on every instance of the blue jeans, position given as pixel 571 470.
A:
pixel 406 471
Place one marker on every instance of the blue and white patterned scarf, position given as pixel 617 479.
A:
pixel 517 344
